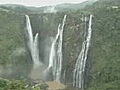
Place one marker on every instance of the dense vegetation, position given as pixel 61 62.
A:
pixel 12 44
pixel 102 71
pixel 104 53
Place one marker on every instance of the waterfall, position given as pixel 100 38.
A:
pixel 52 52
pixel 55 58
pixel 78 73
pixel 32 43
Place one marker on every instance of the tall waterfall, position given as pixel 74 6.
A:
pixel 55 58
pixel 33 42
pixel 78 73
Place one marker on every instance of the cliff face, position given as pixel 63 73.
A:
pixel 13 35
pixel 46 25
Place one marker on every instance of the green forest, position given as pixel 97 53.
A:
pixel 102 66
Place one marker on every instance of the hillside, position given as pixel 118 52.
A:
pixel 102 67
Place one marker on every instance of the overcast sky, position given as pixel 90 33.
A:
pixel 39 2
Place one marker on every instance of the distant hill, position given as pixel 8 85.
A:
pixel 75 6
pixel 46 9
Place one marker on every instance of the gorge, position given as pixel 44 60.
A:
pixel 76 47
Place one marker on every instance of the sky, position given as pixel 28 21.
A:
pixel 39 3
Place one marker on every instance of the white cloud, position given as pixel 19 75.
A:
pixel 39 2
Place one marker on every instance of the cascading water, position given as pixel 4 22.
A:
pixel 78 73
pixel 55 59
pixel 33 43
pixel 52 52
pixel 36 50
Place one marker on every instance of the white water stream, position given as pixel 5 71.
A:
pixel 32 43
pixel 55 59
pixel 78 73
